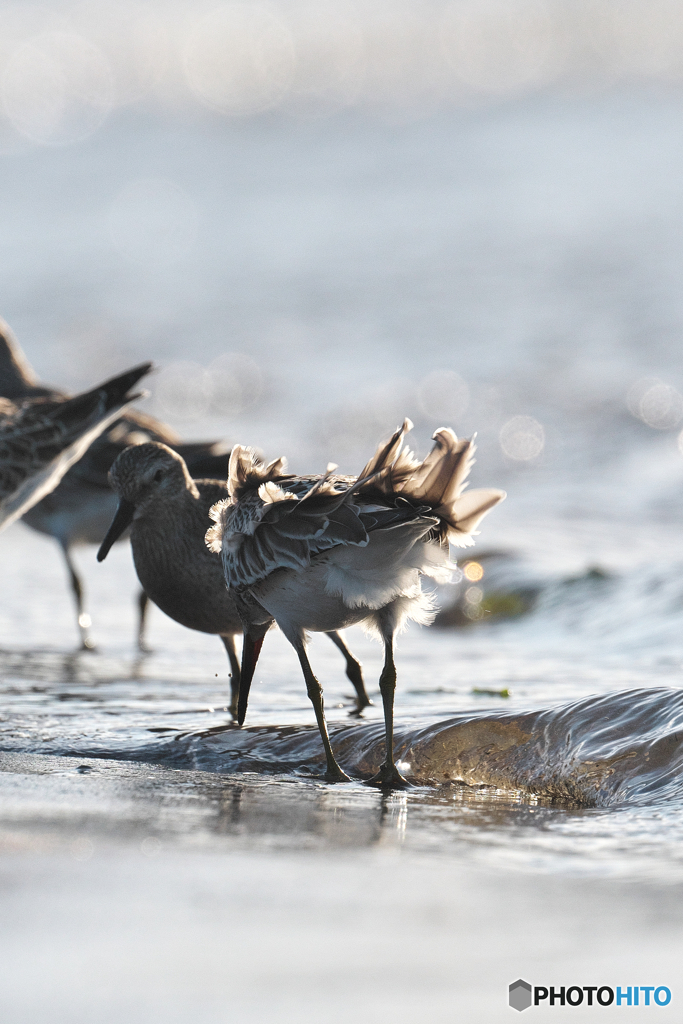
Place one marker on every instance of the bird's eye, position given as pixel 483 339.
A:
pixel 158 476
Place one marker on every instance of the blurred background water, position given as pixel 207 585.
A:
pixel 318 219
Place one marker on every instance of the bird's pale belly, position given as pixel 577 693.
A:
pixel 73 517
pixel 300 597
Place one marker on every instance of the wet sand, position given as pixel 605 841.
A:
pixel 141 894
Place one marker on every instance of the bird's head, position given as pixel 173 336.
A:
pixel 145 477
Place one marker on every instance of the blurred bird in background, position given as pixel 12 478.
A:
pixel 81 508
pixel 41 437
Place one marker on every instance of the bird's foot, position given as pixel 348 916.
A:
pixel 144 648
pixel 335 774
pixel 359 708
pixel 388 777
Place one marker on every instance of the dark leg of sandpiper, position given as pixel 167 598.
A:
pixel 143 605
pixel 315 692
pixel 388 776
pixel 231 649
pixel 354 673
pixel 87 642
pixel 251 648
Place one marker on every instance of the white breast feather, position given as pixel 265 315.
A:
pixel 388 568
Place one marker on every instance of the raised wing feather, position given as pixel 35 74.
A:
pixel 465 514
pixel 246 472
pixel 386 454
pixel 440 478
pixel 263 526
pixel 272 521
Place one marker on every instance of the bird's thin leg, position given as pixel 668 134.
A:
pixel 315 693
pixel 388 775
pixel 84 621
pixel 251 648
pixel 354 672
pixel 231 648
pixel 143 605
pixel 256 622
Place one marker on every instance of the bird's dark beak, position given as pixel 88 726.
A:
pixel 122 520
pixel 251 648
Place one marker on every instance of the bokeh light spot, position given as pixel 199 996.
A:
pixel 500 47
pixel 183 390
pixel 330 55
pixel 522 438
pixel 657 404
pixel 150 846
pixel 230 384
pixel 240 59
pixel 57 88
pixel 235 382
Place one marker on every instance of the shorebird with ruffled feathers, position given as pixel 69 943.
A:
pixel 81 508
pixel 327 552
pixel 168 513
pixel 40 438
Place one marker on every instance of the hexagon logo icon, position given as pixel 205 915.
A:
pixel 520 995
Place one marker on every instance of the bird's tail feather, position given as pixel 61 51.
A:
pixel 438 482
pixel 246 471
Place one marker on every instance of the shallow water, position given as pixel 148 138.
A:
pixel 583 755
pixel 158 864
pixel 534 249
